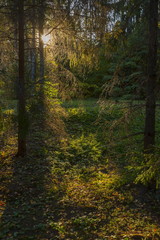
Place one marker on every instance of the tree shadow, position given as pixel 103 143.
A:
pixel 27 205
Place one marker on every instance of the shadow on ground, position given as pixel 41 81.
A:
pixel 37 206
pixel 27 205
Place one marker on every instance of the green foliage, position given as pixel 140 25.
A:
pixel 83 150
pixel 50 90
pixel 90 89
pixel 146 168
pixel 122 64
pixel 7 118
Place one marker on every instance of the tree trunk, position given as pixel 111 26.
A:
pixel 69 7
pixel 41 44
pixel 33 51
pixel 149 133
pixel 41 54
pixel 21 85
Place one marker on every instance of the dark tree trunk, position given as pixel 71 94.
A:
pixel 69 7
pixel 149 133
pixel 41 53
pixel 41 44
pixel 33 51
pixel 21 85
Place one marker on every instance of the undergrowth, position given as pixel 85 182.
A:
pixel 84 188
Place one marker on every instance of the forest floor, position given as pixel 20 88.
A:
pixel 78 189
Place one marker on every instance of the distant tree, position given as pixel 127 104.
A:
pixel 21 84
pixel 33 44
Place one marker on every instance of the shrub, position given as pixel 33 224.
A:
pixel 83 150
pixel 146 168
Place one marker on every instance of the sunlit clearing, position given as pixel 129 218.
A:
pixel 46 38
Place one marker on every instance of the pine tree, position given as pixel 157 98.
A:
pixel 149 134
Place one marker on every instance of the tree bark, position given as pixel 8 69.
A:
pixel 41 44
pixel 33 51
pixel 149 133
pixel 41 54
pixel 21 84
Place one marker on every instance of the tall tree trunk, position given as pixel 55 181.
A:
pixel 33 51
pixel 69 7
pixel 149 134
pixel 41 44
pixel 21 84
pixel 41 53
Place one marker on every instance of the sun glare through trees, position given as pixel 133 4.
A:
pixel 46 38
